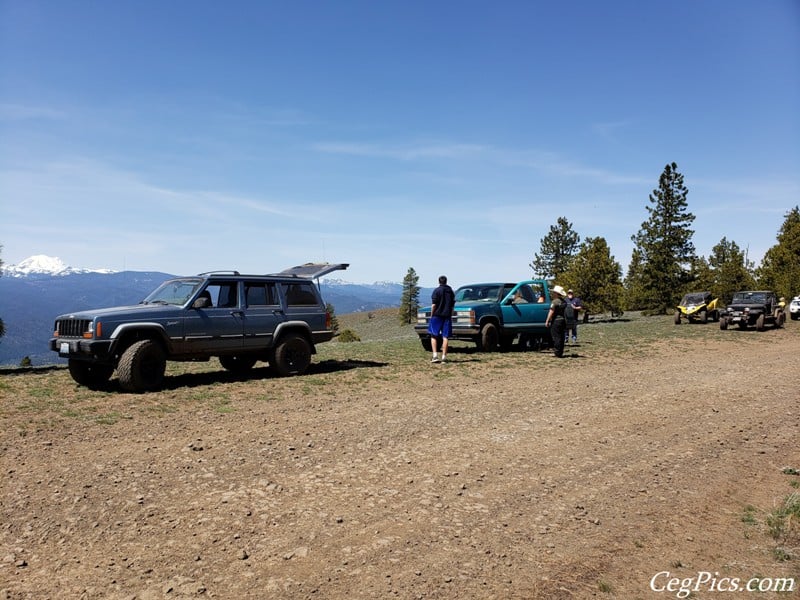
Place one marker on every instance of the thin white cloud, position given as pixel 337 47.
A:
pixel 548 162
pixel 23 112
pixel 409 152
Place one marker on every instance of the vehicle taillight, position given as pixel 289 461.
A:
pixel 328 319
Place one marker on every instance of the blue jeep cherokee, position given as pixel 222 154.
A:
pixel 238 318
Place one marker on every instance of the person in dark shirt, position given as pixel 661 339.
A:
pixel 572 325
pixel 441 324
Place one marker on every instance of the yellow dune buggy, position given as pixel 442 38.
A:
pixel 698 307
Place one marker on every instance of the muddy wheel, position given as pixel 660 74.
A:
pixel 141 367
pixel 703 316
pixel 88 374
pixel 238 363
pixel 760 323
pixel 489 338
pixel 723 323
pixel 780 320
pixel 292 356
pixel 678 317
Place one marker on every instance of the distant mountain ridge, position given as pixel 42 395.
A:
pixel 35 291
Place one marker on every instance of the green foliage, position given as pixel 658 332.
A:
pixel 332 312
pixel 660 265
pixel 730 271
pixel 557 249
pixel 26 362
pixel 409 301
pixel 784 521
pixel 780 269
pixel 348 335
pixel 596 277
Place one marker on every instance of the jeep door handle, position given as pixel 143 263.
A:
pixel 237 313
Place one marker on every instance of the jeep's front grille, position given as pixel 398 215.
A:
pixel 72 327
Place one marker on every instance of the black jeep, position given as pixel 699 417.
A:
pixel 753 308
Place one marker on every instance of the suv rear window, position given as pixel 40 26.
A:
pixel 299 294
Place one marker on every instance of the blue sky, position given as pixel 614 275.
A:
pixel 186 136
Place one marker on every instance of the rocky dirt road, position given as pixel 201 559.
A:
pixel 494 476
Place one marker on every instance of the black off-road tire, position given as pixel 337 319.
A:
pixel 703 317
pixel 292 355
pixel 141 367
pixel 760 322
pixel 723 323
pixel 238 363
pixel 677 317
pixel 88 374
pixel 489 338
pixel 780 319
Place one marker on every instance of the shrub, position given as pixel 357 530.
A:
pixel 348 335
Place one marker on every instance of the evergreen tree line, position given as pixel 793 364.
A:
pixel 663 266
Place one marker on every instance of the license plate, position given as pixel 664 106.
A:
pixel 64 348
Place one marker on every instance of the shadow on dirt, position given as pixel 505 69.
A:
pixel 192 380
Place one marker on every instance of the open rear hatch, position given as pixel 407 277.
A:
pixel 312 270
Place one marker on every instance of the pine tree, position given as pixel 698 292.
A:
pixel 664 245
pixel 556 251
pixel 596 278
pixel 331 310
pixel 409 302
pixel 780 268
pixel 730 269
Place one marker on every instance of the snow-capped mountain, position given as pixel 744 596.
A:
pixel 41 264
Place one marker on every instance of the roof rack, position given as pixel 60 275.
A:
pixel 219 273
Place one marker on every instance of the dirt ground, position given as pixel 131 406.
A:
pixel 493 476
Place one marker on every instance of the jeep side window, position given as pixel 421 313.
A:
pixel 260 294
pixel 299 294
pixel 223 294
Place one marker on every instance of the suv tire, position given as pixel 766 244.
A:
pixel 292 355
pixel 141 367
pixel 94 376
pixel 489 338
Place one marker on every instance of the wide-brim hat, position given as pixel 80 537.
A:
pixel 557 289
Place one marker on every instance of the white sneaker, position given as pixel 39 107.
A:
pixel 435 359
pixel 443 357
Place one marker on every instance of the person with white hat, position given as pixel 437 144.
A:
pixel 556 321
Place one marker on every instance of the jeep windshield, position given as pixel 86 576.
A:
pixel 490 292
pixel 174 291
pixel 749 298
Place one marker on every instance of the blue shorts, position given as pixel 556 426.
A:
pixel 440 327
